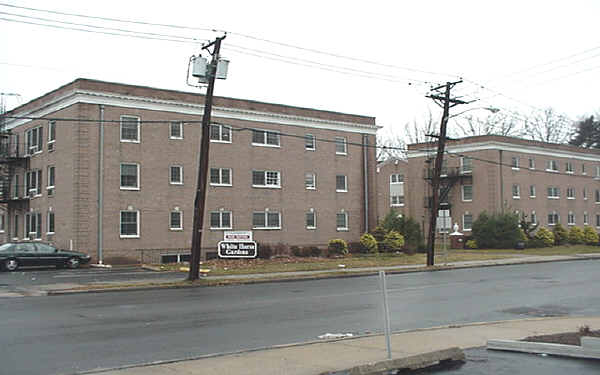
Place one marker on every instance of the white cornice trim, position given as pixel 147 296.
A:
pixel 503 146
pixel 112 99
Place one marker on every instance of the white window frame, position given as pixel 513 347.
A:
pixel 313 145
pixel 533 217
pixel 137 222
pixel 51 137
pixel 396 200
pixel 310 185
pixel 314 219
pixel 531 163
pixel 266 179
pixel 570 216
pixel 180 125
pixel 597 220
pixel 532 191
pixel 220 140
pixel 180 182
pixel 518 195
pixel 462 190
pixel 397 178
pixel 138 136
pixel 597 171
pixel 50 172
pixel 267 227
pixel 586 218
pixel 341 141
pixel 463 222
pixel 514 163
pixel 220 183
pixel 133 188
pixel 33 191
pixel 597 196
pixel 585 194
pixel 345 227
pixel 265 137
pixel 48 215
pixel 571 193
pixel 553 189
pixel 221 227
pixel 34 148
pixel 2 223
pixel 469 164
pixel 33 220
pixel 345 189
pixel 171 227
pixel 552 166
pixel 569 167
pixel 554 215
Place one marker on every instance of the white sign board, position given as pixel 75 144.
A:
pixel 237 236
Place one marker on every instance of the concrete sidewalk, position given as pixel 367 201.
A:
pixel 334 355
pixel 64 288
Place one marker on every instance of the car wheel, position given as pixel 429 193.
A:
pixel 73 263
pixel 11 265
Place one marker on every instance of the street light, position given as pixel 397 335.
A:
pixel 491 109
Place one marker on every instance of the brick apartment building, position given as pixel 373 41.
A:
pixel 550 183
pixel 290 175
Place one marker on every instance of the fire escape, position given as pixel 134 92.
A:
pixel 448 178
pixel 13 158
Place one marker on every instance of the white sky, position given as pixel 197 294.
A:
pixel 482 41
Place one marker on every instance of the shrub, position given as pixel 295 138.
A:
pixel 337 247
pixel 496 231
pixel 313 251
pixel 356 248
pixel 265 251
pixel 281 249
pixel 471 244
pixel 576 236
pixel 296 251
pixel 393 241
pixel 560 234
pixel 369 243
pixel 544 236
pixel 535 243
pixel 590 235
pixel 408 227
pixel 379 234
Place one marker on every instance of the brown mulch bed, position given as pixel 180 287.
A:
pixel 567 338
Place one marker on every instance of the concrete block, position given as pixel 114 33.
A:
pixel 415 362
pixel 543 348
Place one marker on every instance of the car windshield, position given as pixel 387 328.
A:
pixel 5 247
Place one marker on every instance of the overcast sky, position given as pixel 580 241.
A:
pixel 515 55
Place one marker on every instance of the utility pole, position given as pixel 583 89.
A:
pixel 445 102
pixel 200 200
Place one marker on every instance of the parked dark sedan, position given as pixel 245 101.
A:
pixel 24 254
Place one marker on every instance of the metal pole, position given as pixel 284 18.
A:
pixel 386 314
pixel 101 185
pixel 200 200
pixel 365 140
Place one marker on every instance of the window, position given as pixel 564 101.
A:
pixel 516 191
pixel 585 194
pixel 597 196
pixel 597 220
pixel 33 225
pixel 341 147
pixel 571 218
pixel 176 175
pixel 531 163
pixel 16 227
pixel 51 179
pixel 552 165
pixel 467 221
pixel 130 176
pixel 533 217
pixel 570 193
pixel 586 219
pixel 16 187
pixel 33 183
pixel 2 223
pixel 220 133
pixel 397 189
pixel 266 220
pixel 311 220
pixel 569 167
pixel 220 176
pixel 396 179
pixel 341 184
pixel 130 129
pixel 176 130
pixel 51 135
pixel 309 142
pixel 553 192
pixel 50 223
pixel 467 193
pixel 531 191
pixel 466 165
pixel 266 179
pixel 220 220
pixel 583 169
pixel 130 224
pixel 553 218
pixel 265 138
pixel 514 162
pixel 176 220
pixel 341 221
pixel 34 140
pixel 598 171
pixel 310 181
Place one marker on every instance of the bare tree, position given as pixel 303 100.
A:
pixel 393 143
pixel 548 126
pixel 498 123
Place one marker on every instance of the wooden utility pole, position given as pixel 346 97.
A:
pixel 200 200
pixel 446 102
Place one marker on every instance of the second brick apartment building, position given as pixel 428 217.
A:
pixel 290 175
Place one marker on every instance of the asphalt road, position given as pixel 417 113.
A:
pixel 66 334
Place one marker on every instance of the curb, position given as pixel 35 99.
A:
pixel 338 275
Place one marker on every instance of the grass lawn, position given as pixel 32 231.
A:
pixel 555 250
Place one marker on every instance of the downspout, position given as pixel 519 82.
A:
pixel 366 180
pixel 501 183
pixel 101 185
